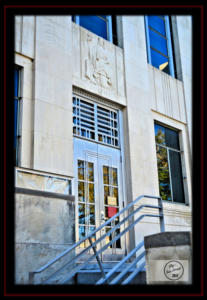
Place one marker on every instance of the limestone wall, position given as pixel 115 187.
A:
pixel 44 227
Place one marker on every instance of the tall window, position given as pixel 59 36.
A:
pixel 159 45
pixel 169 164
pixel 100 25
pixel 17 107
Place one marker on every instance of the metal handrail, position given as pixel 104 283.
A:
pixel 93 244
pixel 117 266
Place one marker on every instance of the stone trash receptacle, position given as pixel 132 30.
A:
pixel 168 258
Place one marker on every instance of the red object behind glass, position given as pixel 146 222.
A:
pixel 112 211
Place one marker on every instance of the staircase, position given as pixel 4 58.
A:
pixel 84 265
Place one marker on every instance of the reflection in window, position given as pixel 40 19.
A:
pixel 86 199
pixel 169 164
pixel 101 25
pixel 163 173
pixel 159 43
pixel 111 201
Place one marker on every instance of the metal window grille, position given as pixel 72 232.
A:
pixel 95 122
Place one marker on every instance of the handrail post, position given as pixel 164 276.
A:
pixel 31 277
pixel 161 213
pixel 97 258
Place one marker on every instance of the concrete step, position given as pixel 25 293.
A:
pixel 92 273
pixel 90 277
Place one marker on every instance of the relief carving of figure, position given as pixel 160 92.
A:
pixel 96 63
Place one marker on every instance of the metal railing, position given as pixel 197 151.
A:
pixel 93 242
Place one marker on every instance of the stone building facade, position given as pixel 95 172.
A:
pixel 87 104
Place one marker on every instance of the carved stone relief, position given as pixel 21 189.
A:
pixel 97 67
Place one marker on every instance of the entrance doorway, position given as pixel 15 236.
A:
pixel 98 190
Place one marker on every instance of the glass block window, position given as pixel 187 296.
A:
pixel 169 164
pixel 17 114
pixel 100 25
pixel 159 45
pixel 95 122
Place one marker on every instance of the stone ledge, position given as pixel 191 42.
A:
pixel 44 194
pixel 165 239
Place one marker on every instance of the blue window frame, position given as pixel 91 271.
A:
pixel 100 25
pixel 159 44
pixel 17 107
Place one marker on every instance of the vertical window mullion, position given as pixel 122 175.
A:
pixel 77 19
pixel 169 45
pixel 168 158
pixel 109 29
pixel 148 40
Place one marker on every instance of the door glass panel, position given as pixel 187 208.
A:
pixel 81 169
pixel 91 192
pixel 81 191
pixel 115 194
pixel 106 194
pixel 117 243
pixel 106 175
pixel 114 176
pixel 92 214
pixel 81 232
pixel 81 213
pixel 90 171
pixel 86 200
pixel 111 201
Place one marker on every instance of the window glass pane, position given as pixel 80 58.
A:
pixel 171 137
pixel 158 60
pixel 163 173
pixel 158 42
pixel 157 23
pixel 176 177
pixel 81 191
pixel 95 24
pixel 15 122
pixel 159 134
pixel 16 82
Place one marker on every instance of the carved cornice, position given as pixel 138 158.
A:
pixel 89 96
